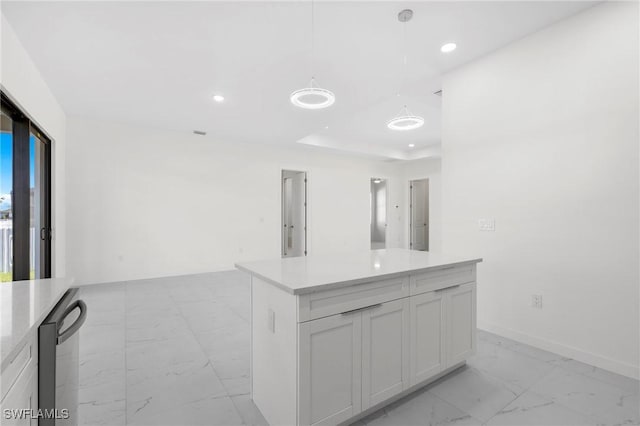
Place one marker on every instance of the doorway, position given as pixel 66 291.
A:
pixel 294 213
pixel 378 213
pixel 419 214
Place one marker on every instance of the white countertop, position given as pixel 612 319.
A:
pixel 23 306
pixel 299 275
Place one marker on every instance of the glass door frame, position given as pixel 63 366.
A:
pixel 23 128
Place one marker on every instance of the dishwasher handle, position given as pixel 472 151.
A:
pixel 62 337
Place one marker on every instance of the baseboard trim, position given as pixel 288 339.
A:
pixel 599 361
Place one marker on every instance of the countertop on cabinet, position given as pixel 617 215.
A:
pixel 23 307
pixel 307 274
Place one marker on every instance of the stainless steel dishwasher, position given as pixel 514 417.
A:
pixel 58 363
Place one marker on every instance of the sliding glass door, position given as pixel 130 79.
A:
pixel 25 197
pixel 6 189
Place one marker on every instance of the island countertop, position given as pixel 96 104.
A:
pixel 24 305
pixel 300 275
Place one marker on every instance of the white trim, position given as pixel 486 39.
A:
pixel 599 361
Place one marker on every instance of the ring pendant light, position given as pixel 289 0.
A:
pixel 312 97
pixel 405 120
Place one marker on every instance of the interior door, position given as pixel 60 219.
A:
pixel 330 369
pixel 461 323
pixel 385 351
pixel 419 207
pixel 427 336
pixel 294 213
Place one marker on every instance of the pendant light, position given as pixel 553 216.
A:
pixel 405 120
pixel 312 97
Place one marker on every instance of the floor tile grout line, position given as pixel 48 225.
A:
pixel 454 406
pixel 555 362
pixel 209 362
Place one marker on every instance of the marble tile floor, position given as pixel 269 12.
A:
pixel 175 351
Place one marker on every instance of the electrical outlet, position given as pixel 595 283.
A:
pixel 536 301
pixel 487 225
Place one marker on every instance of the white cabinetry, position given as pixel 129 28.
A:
pixel 330 369
pixel 357 347
pixel 385 351
pixel 20 386
pixel 352 361
pixel 443 330
pixel 460 328
pixel 427 336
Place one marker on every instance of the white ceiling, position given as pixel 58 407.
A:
pixel 158 63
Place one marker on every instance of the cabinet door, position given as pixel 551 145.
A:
pixel 22 397
pixel 330 367
pixel 461 323
pixel 427 336
pixel 385 351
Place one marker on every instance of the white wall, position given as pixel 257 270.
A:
pixel 147 203
pixel 22 81
pixel 542 136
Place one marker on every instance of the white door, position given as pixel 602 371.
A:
pixel 427 336
pixel 330 368
pixel 294 205
pixel 419 214
pixel 385 351
pixel 460 332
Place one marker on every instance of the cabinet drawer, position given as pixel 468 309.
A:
pixel 24 358
pixel 317 305
pixel 442 278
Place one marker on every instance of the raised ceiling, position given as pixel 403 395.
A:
pixel 159 63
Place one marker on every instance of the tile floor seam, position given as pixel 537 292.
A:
pixel 525 390
pixel 560 404
pixel 554 363
pixel 227 395
pixel 449 403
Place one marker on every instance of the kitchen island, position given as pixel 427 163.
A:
pixel 334 338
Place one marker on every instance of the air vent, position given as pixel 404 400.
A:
pixel 438 93
pixel 199 132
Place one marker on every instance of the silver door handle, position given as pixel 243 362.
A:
pixel 362 309
pixel 447 288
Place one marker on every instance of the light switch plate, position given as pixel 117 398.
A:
pixel 487 225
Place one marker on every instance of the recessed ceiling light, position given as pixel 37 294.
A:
pixel 377 180
pixel 411 145
pixel 218 98
pixel 449 47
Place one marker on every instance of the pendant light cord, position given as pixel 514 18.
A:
pixel 312 39
pixel 404 58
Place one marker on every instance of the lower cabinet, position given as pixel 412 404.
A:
pixel 461 323
pixel 330 369
pixel 353 361
pixel 443 330
pixel 20 389
pixel 427 336
pixel 385 351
